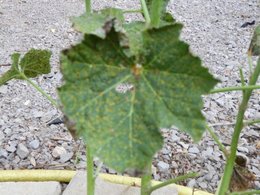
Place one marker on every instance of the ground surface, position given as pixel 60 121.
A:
pixel 213 28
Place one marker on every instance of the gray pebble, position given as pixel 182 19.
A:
pixel 66 157
pixel 34 144
pixel 242 149
pixel 22 151
pixel 7 131
pixel 11 148
pixel 58 151
pixel 163 166
pixel 194 150
pixel 3 89
pixel 203 185
pixel 191 183
pixel 3 153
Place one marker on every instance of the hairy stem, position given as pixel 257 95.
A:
pixel 145 12
pixel 175 180
pixel 224 186
pixel 220 145
pixel 53 102
pixel 90 173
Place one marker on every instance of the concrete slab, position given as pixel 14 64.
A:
pixel 77 186
pixel 30 188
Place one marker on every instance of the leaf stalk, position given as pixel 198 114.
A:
pixel 146 181
pixel 216 139
pixel 146 12
pixel 174 180
pixel 53 102
pixel 239 88
pixel 90 173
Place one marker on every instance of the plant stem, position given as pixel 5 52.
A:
pixel 250 63
pixel 220 145
pixel 157 6
pixel 146 12
pixel 228 171
pixel 227 89
pixel 175 180
pixel 246 192
pixel 88 6
pixel 242 78
pixel 90 173
pixel 146 181
pixel 133 11
pixel 251 122
pixel 53 102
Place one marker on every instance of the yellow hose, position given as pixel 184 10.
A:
pixel 36 175
pixel 66 176
pixel 133 181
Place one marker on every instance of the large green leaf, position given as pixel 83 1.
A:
pixel 34 63
pixel 97 23
pixel 254 48
pixel 163 84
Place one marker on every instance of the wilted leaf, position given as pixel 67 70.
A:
pixel 34 63
pixel 242 179
pixel 254 48
pixel 96 23
pixel 163 86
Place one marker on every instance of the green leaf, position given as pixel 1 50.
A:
pixel 254 48
pixel 162 86
pixel 134 33
pixel 97 23
pixel 34 63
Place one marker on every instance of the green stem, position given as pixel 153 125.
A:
pixel 175 180
pixel 133 11
pixel 53 102
pixel 242 78
pixel 146 12
pixel 251 122
pixel 90 173
pixel 228 171
pixel 146 181
pixel 157 6
pixel 220 145
pixel 246 192
pixel 239 88
pixel 250 63
pixel 88 6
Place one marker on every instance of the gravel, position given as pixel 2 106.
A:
pixel 212 28
pixel 22 151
